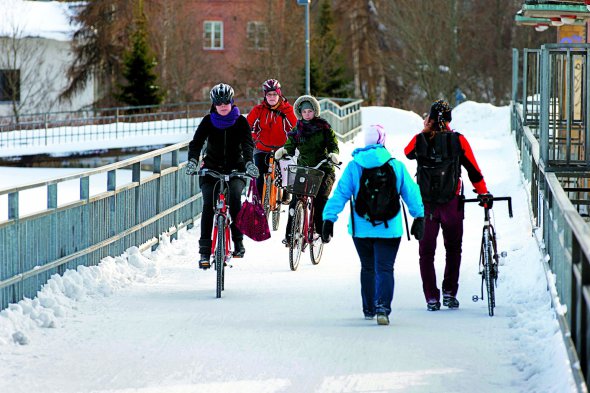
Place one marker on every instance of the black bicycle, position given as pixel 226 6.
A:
pixel 489 258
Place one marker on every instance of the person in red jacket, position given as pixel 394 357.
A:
pixel 270 121
pixel 440 153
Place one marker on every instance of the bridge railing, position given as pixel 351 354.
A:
pixel 121 214
pixel 550 125
pixel 93 226
pixel 45 129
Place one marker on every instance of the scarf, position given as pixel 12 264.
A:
pixel 223 122
pixel 306 128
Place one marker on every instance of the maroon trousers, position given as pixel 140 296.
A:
pixel 449 217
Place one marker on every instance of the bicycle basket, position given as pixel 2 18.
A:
pixel 302 180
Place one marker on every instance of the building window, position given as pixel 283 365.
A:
pixel 213 35
pixel 257 35
pixel 10 85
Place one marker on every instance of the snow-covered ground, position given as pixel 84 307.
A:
pixel 151 323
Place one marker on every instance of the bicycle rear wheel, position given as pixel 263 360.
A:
pixel 220 254
pixel 296 244
pixel 276 218
pixel 488 272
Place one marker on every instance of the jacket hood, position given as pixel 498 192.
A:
pixel 371 156
pixel 311 100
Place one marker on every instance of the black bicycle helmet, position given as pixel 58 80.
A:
pixel 222 94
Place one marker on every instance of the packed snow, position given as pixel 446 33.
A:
pixel 149 322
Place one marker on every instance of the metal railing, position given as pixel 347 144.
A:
pixel 551 131
pixel 106 223
pixel 46 129
pixel 84 231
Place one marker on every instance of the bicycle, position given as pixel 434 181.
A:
pixel 489 258
pixel 271 193
pixel 304 183
pixel 221 247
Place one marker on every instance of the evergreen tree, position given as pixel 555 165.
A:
pixel 138 69
pixel 327 67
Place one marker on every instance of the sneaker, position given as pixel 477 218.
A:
pixel 450 302
pixel 433 305
pixel 382 319
pixel 239 249
pixel 369 317
pixel 204 262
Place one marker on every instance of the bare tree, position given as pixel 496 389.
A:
pixel 280 55
pixel 173 38
pixel 28 81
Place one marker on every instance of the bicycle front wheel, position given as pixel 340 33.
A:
pixel 316 249
pixel 220 254
pixel 296 244
pixel 266 190
pixel 488 272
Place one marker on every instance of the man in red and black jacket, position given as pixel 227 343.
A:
pixel 440 153
pixel 270 122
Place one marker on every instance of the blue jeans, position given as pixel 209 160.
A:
pixel 377 257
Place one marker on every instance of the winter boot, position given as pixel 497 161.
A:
pixel 239 249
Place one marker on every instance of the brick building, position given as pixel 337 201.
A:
pixel 241 41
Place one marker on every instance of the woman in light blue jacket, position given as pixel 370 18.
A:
pixel 376 245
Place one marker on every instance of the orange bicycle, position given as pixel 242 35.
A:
pixel 271 193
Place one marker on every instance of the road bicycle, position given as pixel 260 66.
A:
pixel 304 183
pixel 221 247
pixel 271 193
pixel 489 259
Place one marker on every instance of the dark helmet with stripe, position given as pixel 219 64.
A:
pixel 271 85
pixel 222 94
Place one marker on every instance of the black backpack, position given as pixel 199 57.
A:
pixel 439 166
pixel 377 199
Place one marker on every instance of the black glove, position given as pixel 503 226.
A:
pixel 486 200
pixel 417 229
pixel 327 231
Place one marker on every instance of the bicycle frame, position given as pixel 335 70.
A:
pixel 221 211
pixel 221 241
pixel 270 193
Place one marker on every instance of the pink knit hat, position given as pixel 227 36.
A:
pixel 374 134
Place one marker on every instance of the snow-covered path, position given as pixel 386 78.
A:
pixel 274 330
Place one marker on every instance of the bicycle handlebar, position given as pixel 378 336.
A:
pixel 324 161
pixel 265 145
pixel 223 176
pixel 507 199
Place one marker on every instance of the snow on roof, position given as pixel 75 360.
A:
pixel 46 19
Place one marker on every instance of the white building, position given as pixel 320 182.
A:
pixel 35 53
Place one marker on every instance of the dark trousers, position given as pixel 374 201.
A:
pixel 377 257
pixel 449 217
pixel 233 199
pixel 319 202
pixel 261 161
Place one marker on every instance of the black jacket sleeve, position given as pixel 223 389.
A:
pixel 201 134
